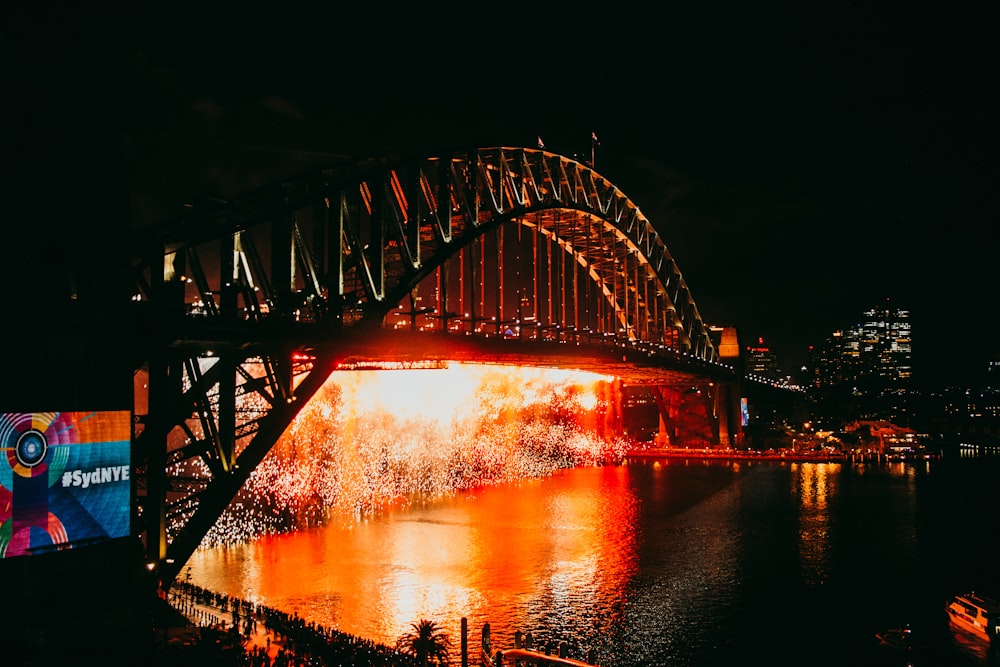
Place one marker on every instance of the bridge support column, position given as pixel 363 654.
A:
pixel 687 416
pixel 155 508
pixel 729 396
pixel 727 408
pixel 722 417
pixel 227 412
pixel 165 385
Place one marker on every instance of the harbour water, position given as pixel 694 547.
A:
pixel 655 562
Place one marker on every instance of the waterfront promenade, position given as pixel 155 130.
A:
pixel 791 456
pixel 737 455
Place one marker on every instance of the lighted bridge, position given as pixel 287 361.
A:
pixel 503 255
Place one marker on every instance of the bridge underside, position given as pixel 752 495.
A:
pixel 632 365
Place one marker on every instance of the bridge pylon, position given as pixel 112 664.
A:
pixel 703 413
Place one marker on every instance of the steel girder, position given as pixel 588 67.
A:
pixel 237 303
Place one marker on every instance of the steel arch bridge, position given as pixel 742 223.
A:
pixel 246 306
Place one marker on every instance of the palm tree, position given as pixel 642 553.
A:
pixel 426 642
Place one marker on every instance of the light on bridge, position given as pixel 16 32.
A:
pixel 391 365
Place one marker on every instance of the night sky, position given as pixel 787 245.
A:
pixel 801 163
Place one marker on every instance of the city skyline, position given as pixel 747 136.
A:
pixel 785 364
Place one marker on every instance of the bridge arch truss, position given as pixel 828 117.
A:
pixel 246 306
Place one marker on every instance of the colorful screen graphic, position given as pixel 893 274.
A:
pixel 744 412
pixel 64 479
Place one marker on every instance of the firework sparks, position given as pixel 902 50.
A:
pixel 368 440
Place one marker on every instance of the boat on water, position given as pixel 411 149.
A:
pixel 900 638
pixel 976 614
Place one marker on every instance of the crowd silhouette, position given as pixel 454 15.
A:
pixel 302 643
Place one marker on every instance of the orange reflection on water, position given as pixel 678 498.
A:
pixel 501 555
pixel 816 484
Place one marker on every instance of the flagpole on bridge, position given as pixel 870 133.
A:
pixel 594 143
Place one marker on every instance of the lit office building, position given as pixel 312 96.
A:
pixel 762 361
pixel 876 349
pixel 885 344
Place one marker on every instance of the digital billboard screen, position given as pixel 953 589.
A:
pixel 65 479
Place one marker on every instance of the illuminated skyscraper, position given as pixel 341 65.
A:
pixel 876 350
pixel 885 344
pixel 762 361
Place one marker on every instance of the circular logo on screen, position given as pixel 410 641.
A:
pixel 31 447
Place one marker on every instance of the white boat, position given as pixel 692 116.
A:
pixel 976 614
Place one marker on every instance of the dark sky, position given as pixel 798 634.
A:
pixel 802 164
